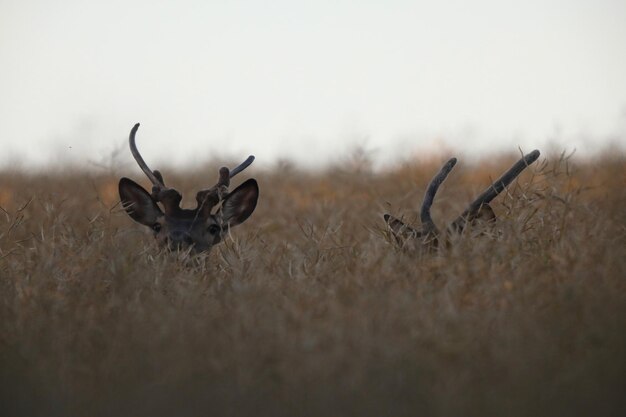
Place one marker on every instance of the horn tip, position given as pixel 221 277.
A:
pixel 532 157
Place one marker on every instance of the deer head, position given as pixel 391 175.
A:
pixel 428 238
pixel 197 229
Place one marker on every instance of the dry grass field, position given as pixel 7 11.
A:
pixel 308 310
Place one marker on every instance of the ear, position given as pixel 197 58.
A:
pixel 485 215
pixel 240 203
pixel 138 203
pixel 399 229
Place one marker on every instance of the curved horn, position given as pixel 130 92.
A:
pixel 207 199
pixel 427 222
pixel 142 164
pixel 245 164
pixel 169 197
pixel 497 187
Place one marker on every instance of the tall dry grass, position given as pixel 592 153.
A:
pixel 309 311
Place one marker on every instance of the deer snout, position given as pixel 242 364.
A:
pixel 179 239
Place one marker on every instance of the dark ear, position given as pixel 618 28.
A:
pixel 138 203
pixel 399 229
pixel 485 214
pixel 240 203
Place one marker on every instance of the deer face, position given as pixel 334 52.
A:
pixel 184 229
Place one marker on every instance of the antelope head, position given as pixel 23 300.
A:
pixel 181 229
pixel 428 237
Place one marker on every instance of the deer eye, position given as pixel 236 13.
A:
pixel 156 227
pixel 213 229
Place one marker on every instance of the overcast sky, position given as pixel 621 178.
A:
pixel 308 81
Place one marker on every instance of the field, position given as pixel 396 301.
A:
pixel 309 310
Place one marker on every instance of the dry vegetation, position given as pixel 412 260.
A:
pixel 309 311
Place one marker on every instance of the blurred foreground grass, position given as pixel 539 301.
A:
pixel 309 311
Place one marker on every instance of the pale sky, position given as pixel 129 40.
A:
pixel 308 81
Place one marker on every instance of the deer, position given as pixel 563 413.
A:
pixel 430 237
pixel 194 230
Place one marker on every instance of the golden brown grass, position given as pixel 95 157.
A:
pixel 309 311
